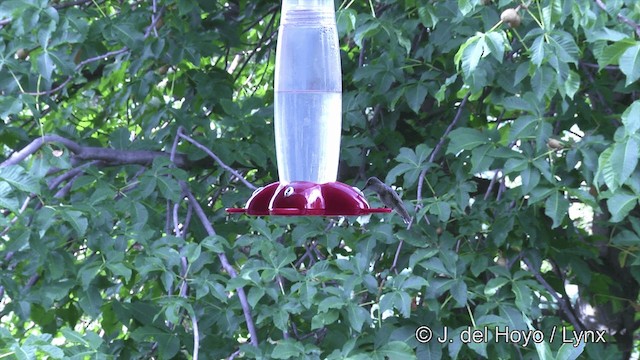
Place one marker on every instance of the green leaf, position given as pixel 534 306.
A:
pixel 631 118
pixel 366 30
pixel 570 351
pixel 630 64
pixel 22 353
pixel 287 349
pixel 501 228
pixel 346 20
pixel 322 319
pixel 465 6
pixel 542 81
pixel 626 238
pixel 497 43
pixel 76 219
pixel 465 139
pixel 624 159
pixel 481 158
pixel 91 301
pixel 54 352
pixel 565 46
pixel 606 34
pixel 357 316
pixel 414 282
pixel 543 350
pixel 74 337
pixel 440 94
pixel 538 51
pixel 169 187
pixel 120 269
pixel 606 170
pixel 473 53
pixel 620 204
pixel 399 300
pixel 427 16
pixel 18 178
pixel 396 350
pixel 9 105
pixel 45 65
pixel 530 179
pixel 612 53
pixel 6 200
pixel 415 95
pixel 556 207
pixel 524 127
pixel 215 243
pixel 493 285
pixel 459 292
pixel 442 210
pixel 125 33
pixel 435 264
pixel 523 295
pixel 168 345
pixel 88 272
pixel 572 84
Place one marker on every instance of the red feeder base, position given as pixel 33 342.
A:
pixel 303 198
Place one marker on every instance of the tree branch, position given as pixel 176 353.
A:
pixel 69 175
pixel 436 150
pixel 154 21
pixel 217 159
pixel 88 153
pixel 262 42
pixel 67 4
pixel 244 303
pixel 491 185
pixel 15 218
pixel 561 303
pixel 620 17
pixel 196 336
pixel 395 258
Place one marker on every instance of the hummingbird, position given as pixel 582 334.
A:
pixel 389 197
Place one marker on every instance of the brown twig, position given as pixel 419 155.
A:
pixel 596 66
pixel 438 147
pixel 270 11
pixel 395 258
pixel 106 155
pixel 234 355
pixel 620 17
pixel 264 41
pixel 502 188
pixel 67 4
pixel 15 218
pixel 216 158
pixel 561 303
pixel 244 303
pixel 361 56
pixel 492 183
pixel 155 17
pixel 69 174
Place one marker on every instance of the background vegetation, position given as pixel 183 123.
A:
pixel 514 142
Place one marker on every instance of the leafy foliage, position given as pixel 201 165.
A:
pixel 515 148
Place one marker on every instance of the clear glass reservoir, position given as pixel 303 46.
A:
pixel 308 92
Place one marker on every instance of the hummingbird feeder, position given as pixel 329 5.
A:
pixel 308 120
